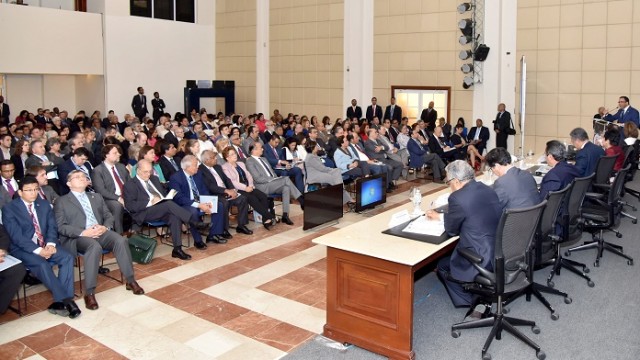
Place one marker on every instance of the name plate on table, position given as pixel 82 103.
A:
pixel 405 230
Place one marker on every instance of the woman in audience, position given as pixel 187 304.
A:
pixel 459 142
pixel 182 145
pixel 403 137
pixel 364 130
pixel 464 128
pixel 350 167
pixel 630 133
pixel 54 155
pixel 148 153
pixel 242 180
pixel 316 172
pixel 152 137
pixel 133 152
pixel 290 151
pixel 221 144
pixel 22 117
pixel 20 155
pixel 611 145
pixel 192 147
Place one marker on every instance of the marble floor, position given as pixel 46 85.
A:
pixel 256 297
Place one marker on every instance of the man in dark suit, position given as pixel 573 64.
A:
pixel 501 126
pixel 429 116
pixel 143 199
pixel 478 136
pixel 46 192
pixel 588 153
pixel 625 112
pixel 354 111
pixel 189 185
pixel 393 111
pixel 168 161
pixel 561 173
pixel 10 278
pixel 5 112
pixel 6 150
pixel 85 223
pixel 219 184
pixel 440 148
pixel 474 213
pixel 77 161
pixel 374 110
pixel 377 151
pixel 283 167
pixel 34 240
pixel 109 179
pixel 418 156
pixel 158 106
pixel 515 188
pixel 139 104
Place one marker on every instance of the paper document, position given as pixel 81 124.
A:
pixel 399 218
pixel 213 200
pixel 543 169
pixel 425 227
pixel 8 262
pixel 170 195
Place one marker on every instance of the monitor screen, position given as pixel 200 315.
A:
pixel 371 192
pixel 322 206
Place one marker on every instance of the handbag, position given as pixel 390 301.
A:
pixel 142 248
pixel 511 130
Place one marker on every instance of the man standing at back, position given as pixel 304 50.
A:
pixel 354 111
pixel 139 104
pixel 374 110
pixel 429 116
pixel 515 188
pixel 393 111
pixel 501 126
pixel 588 153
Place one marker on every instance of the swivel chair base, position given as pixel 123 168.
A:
pixel 498 322
pixel 536 290
pixel 601 245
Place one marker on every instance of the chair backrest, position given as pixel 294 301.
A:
pixel 631 158
pixel 618 184
pixel 574 206
pixel 544 245
pixel 604 169
pixel 515 233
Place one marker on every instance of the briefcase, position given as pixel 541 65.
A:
pixel 142 248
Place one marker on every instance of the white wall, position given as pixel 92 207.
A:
pixel 24 92
pixel 90 93
pixel 60 91
pixel 48 44
pixel 158 55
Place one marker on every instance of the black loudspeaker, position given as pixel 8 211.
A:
pixel 217 84
pixel 481 53
pixel 230 84
pixel 191 84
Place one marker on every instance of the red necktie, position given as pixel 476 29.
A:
pixel 118 181
pixel 42 194
pixel 240 153
pixel 10 188
pixel 36 227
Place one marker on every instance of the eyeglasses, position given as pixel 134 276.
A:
pixel 31 190
pixel 448 181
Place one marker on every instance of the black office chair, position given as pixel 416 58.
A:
pixel 604 215
pixel 514 237
pixel 630 159
pixel 633 161
pixel 604 171
pixel 544 252
pixel 572 221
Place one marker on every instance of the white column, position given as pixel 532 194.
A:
pixel 358 52
pixel 262 57
pixel 499 70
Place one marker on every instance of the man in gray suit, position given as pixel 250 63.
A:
pixel 515 188
pixel 268 182
pixel 108 180
pixel 253 136
pixel 84 224
pixel 378 151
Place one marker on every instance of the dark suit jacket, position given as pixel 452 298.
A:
pixel 17 162
pixel 429 117
pixel 167 169
pixel 139 106
pixel 36 161
pixel 474 213
pixel 71 218
pixel 631 115
pixel 271 157
pixel 158 108
pixel 484 137
pixel 210 181
pixel 6 114
pixel 65 168
pixel 397 113
pixel 136 197
pixel 103 182
pixel 179 183
pixel 558 178
pixel 52 195
pixel 17 221
pixel 371 112
pixel 357 113
pixel 587 158
pixel 516 189
pixel 502 122
pixel 416 153
pixel 172 139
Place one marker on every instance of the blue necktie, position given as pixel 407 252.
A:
pixel 194 189
pixel 86 206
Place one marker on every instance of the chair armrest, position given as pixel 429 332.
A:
pixel 594 196
pixel 602 186
pixel 470 255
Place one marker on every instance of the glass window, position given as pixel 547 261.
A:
pixel 141 8
pixel 186 10
pixel 163 9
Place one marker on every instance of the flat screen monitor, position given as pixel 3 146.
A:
pixel 371 192
pixel 322 206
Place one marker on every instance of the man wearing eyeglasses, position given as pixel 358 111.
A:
pixel 34 240
pixel 625 112
pixel 77 161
